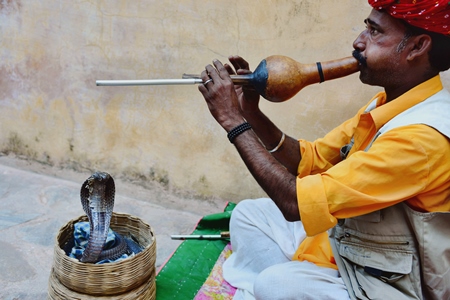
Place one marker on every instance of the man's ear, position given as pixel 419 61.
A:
pixel 420 46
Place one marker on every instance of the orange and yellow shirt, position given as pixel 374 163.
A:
pixel 409 164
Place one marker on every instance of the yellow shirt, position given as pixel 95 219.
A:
pixel 409 164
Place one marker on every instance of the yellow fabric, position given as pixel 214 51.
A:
pixel 404 164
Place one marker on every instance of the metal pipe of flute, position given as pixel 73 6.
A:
pixel 185 81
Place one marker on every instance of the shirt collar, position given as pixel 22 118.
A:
pixel 386 111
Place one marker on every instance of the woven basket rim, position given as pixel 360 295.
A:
pixel 82 217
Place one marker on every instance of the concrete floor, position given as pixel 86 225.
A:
pixel 37 200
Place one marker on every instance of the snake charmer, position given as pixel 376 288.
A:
pixel 364 212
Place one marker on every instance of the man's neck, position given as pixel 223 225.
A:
pixel 394 93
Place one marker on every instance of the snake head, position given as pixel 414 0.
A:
pixel 100 176
pixel 99 185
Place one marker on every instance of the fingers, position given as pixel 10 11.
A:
pixel 238 62
pixel 223 72
pixel 229 69
pixel 205 77
pixel 218 71
pixel 213 74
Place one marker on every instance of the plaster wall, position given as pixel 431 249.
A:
pixel 52 52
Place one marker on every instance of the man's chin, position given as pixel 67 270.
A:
pixel 363 77
pixel 362 73
pixel 367 80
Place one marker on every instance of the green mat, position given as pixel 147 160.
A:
pixel 189 266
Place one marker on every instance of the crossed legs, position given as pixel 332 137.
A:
pixel 261 265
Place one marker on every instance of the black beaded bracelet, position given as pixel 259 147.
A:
pixel 238 130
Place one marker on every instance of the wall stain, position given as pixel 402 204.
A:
pixel 10 6
pixel 15 145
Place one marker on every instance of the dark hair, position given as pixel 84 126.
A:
pixel 439 55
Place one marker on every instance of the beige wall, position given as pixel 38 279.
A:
pixel 53 51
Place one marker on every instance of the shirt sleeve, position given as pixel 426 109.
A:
pixel 396 168
pixel 322 154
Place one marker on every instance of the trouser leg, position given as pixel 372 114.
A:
pixel 299 280
pixel 260 238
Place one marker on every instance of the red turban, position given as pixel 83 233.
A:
pixel 431 15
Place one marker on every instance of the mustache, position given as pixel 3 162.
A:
pixel 361 58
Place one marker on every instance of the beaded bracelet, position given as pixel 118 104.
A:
pixel 238 130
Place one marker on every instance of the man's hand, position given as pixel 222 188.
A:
pixel 247 95
pixel 220 95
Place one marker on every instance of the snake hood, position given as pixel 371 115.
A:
pixel 97 198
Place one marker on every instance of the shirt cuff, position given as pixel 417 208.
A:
pixel 313 205
pixel 304 167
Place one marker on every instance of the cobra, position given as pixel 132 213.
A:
pixel 97 198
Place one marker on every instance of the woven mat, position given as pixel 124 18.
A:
pixel 194 271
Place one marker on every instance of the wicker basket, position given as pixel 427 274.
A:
pixel 71 279
pixel 57 291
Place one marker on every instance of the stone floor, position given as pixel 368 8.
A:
pixel 36 200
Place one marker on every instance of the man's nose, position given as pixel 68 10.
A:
pixel 359 43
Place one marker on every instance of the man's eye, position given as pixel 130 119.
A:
pixel 372 31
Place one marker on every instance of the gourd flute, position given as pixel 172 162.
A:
pixel 277 78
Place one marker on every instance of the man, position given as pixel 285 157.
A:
pixel 362 213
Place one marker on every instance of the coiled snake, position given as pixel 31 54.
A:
pixel 97 198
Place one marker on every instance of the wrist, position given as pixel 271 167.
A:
pixel 278 146
pixel 252 114
pixel 237 130
pixel 229 124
